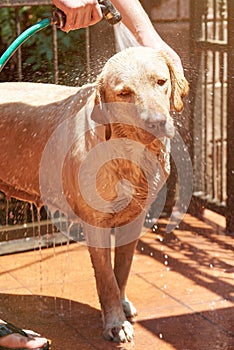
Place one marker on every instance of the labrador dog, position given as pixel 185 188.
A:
pixel 99 153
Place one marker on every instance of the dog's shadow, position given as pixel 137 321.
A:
pixel 68 324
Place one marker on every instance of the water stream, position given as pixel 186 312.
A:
pixel 124 38
pixel 7 218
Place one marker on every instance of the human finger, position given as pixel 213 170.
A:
pixel 82 17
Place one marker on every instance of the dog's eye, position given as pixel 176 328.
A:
pixel 161 82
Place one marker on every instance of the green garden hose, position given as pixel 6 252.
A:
pixel 58 18
pixel 21 39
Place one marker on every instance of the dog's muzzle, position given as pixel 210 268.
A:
pixel 160 125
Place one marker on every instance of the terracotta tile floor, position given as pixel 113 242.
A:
pixel 181 283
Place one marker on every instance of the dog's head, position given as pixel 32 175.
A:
pixel 146 80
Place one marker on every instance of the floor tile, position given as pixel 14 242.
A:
pixel 181 283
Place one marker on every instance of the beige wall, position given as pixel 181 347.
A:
pixel 169 9
pixel 171 20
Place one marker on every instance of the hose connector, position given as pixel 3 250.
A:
pixel 58 18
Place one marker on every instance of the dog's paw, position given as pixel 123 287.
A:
pixel 129 309
pixel 120 333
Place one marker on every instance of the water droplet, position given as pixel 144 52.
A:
pixel 211 266
pixel 212 305
pixel 166 262
pixel 160 335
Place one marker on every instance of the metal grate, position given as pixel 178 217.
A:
pixel 211 23
pixel 54 73
pixel 22 227
pixel 17 5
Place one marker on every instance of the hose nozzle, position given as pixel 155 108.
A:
pixel 109 12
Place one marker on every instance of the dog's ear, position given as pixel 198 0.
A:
pixel 179 86
pixel 99 114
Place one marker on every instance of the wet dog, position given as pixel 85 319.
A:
pixel 99 154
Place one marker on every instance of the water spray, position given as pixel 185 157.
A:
pixel 58 18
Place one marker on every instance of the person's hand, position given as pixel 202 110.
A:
pixel 174 57
pixel 79 13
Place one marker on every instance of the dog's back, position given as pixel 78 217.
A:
pixel 30 113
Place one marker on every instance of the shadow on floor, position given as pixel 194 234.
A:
pixel 196 331
pixel 71 325
pixel 197 262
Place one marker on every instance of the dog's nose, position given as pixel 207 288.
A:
pixel 156 120
pixel 159 125
pixel 162 124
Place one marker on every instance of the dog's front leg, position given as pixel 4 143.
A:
pixel 116 327
pixel 126 239
pixel 123 261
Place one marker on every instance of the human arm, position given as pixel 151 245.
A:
pixel 137 21
pixel 83 13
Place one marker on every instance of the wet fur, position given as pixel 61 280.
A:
pixel 31 113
